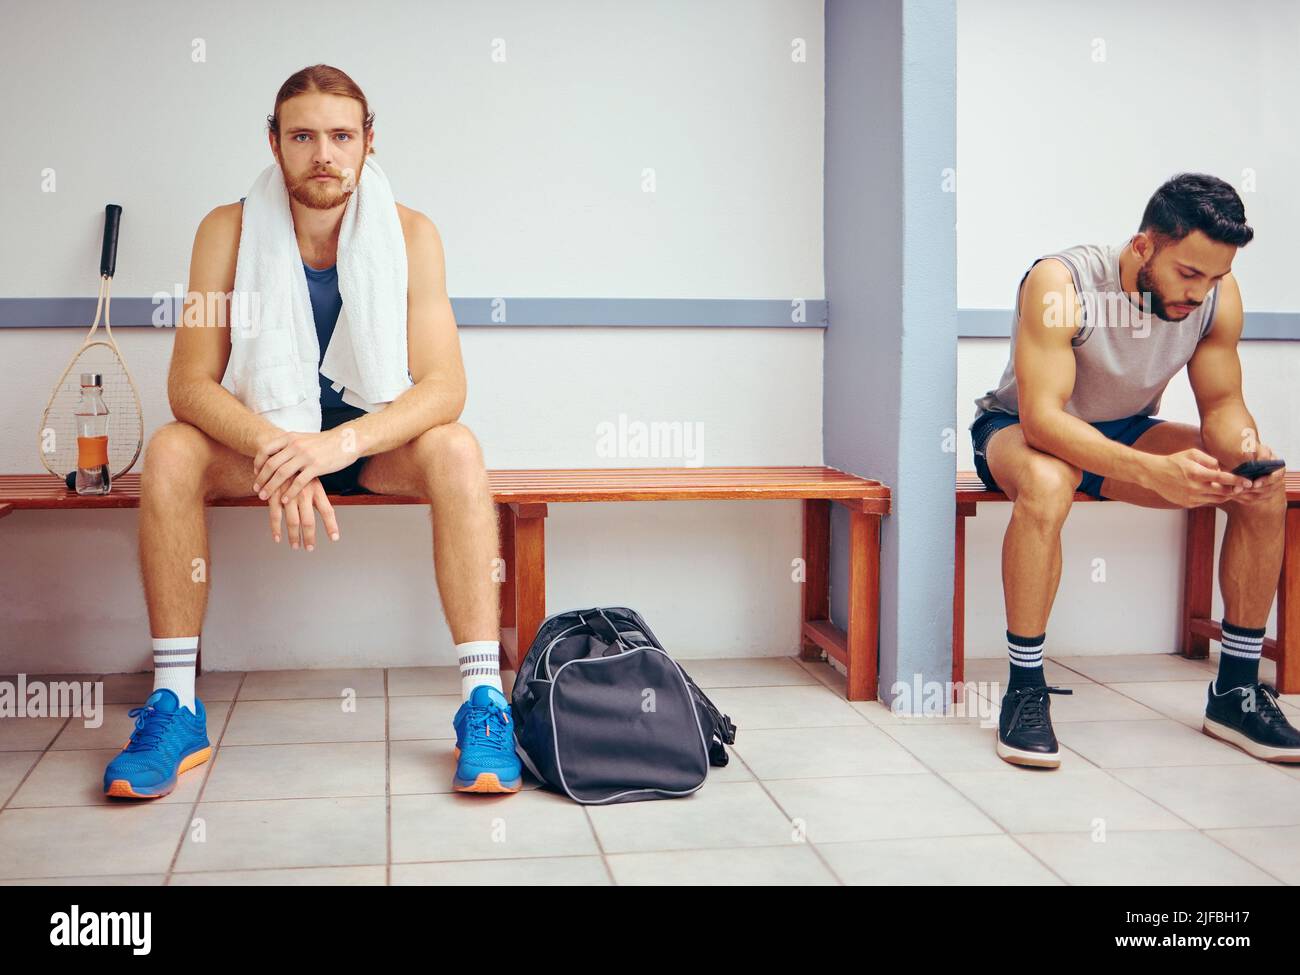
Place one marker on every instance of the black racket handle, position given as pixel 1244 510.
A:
pixel 108 256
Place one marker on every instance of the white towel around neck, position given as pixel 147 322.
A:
pixel 275 354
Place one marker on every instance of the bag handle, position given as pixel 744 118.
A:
pixel 617 637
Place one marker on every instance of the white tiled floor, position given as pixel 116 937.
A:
pixel 343 777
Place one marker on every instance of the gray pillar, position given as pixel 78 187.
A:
pixel 891 344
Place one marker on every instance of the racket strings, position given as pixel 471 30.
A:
pixel 124 425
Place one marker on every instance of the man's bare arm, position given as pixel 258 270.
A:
pixel 201 347
pixel 1215 375
pixel 1227 428
pixel 433 350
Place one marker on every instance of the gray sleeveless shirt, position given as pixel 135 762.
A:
pixel 1123 356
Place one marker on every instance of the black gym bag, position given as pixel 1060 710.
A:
pixel 603 714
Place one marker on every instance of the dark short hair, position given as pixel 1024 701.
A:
pixel 1195 201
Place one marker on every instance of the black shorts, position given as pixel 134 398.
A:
pixel 1125 430
pixel 343 481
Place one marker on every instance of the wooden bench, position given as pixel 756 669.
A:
pixel 1196 628
pixel 523 497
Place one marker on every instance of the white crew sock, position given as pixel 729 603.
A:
pixel 174 659
pixel 480 663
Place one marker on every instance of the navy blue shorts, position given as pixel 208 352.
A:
pixel 1125 430
pixel 345 481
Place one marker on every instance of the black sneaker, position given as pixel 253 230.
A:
pixel 1025 735
pixel 1250 718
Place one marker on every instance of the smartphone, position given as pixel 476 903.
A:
pixel 1253 470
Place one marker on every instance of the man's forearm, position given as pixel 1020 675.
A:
pixel 1230 434
pixel 427 404
pixel 219 413
pixel 1065 436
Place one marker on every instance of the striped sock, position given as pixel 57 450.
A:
pixel 174 658
pixel 1240 649
pixel 1026 656
pixel 480 662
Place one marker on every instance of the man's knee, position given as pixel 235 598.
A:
pixel 176 456
pixel 449 451
pixel 1045 488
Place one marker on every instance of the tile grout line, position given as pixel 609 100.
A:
pixel 786 778
pixel 185 830
pixel 600 847
pixel 762 784
pixel 49 747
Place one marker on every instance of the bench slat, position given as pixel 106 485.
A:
pixel 971 488
pixel 43 491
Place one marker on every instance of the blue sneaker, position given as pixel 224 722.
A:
pixel 485 744
pixel 168 739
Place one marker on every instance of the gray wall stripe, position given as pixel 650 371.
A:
pixel 996 323
pixel 699 312
pixel 739 312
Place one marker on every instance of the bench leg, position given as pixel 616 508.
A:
pixel 1198 581
pixel 817 571
pixel 863 637
pixel 523 602
pixel 965 509
pixel 506 532
pixel 1288 609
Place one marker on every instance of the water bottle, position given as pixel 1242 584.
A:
pixel 92 436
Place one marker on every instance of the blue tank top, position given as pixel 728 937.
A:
pixel 325 304
pixel 323 286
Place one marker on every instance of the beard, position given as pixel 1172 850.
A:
pixel 323 195
pixel 1151 298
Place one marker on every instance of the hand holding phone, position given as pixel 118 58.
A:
pixel 1253 470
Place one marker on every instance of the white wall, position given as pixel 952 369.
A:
pixel 531 168
pixel 533 171
pixel 1054 149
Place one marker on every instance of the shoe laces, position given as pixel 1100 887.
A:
pixel 1032 708
pixel 151 726
pixel 487 726
pixel 1266 701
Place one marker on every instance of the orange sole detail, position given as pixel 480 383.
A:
pixel 487 782
pixel 121 788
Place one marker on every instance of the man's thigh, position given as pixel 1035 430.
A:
pixel 1163 438
pixel 1011 460
pixel 398 471
pixel 226 472
pixel 440 455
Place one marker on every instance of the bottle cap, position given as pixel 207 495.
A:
pixel 92 379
